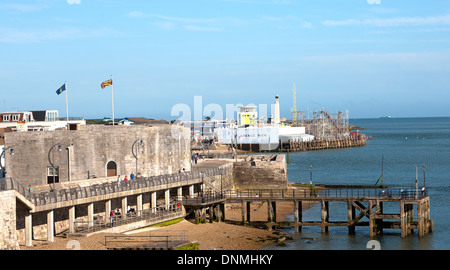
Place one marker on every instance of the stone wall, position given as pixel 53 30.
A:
pixel 8 238
pixel 92 148
pixel 261 172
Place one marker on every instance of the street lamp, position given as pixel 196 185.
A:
pixel 52 160
pixel 310 174
pixel 423 167
pixel 221 184
pixel 11 153
pixel 137 143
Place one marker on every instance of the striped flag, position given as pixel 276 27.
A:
pixel 106 83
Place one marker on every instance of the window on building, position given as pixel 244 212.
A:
pixel 16 117
pixel 6 117
pixel 52 175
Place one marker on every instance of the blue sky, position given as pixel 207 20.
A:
pixel 372 59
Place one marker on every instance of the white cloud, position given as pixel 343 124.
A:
pixel 21 7
pixel 11 35
pixel 137 14
pixel 398 21
pixel 71 2
pixel 200 28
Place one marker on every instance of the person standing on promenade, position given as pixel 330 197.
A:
pixel 118 180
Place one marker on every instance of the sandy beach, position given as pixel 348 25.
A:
pixel 228 235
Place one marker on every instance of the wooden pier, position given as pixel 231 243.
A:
pixel 322 144
pixel 368 203
pixel 299 146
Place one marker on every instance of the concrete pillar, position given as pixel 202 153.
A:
pixel 191 191
pixel 218 213
pixel 72 219
pixel 167 198
pixel 272 211
pixel 139 204
pixel 298 214
pixel 50 227
pixel 180 193
pixel 91 214
pixel 107 208
pixel 28 230
pixel 203 215
pixel 124 207
pixel 153 201
pixel 244 212
pixel 211 213
pixel 197 216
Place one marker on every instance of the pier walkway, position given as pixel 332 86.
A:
pixel 369 202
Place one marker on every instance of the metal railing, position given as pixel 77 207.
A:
pixel 207 197
pixel 153 215
pixel 397 193
pixel 12 184
pixel 155 239
pixel 68 194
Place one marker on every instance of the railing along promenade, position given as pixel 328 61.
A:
pixel 367 193
pixel 68 194
pixel 155 239
pixel 153 215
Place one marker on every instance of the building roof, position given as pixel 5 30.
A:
pixel 143 120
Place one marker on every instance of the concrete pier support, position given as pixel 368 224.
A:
pixel 351 215
pixel 124 207
pixel 72 219
pixel 271 211
pixel 28 230
pixel 139 204
pixel 107 208
pixel 91 214
pixel 324 215
pixel 298 215
pixel 244 212
pixel 153 201
pixel 167 198
pixel 200 215
pixel 50 226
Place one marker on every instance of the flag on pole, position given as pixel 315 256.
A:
pixel 106 83
pixel 61 89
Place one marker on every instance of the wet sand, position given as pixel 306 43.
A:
pixel 228 235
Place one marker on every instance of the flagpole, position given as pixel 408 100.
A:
pixel 67 106
pixel 112 97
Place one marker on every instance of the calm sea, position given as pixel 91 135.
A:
pixel 403 144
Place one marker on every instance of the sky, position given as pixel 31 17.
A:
pixel 370 57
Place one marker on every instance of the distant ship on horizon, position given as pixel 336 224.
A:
pixel 385 117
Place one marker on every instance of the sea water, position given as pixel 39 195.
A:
pixel 399 147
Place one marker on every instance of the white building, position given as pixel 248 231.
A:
pixel 36 120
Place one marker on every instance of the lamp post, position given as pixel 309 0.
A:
pixel 310 174
pixel 52 160
pixel 423 167
pixel 137 143
pixel 221 184
pixel 11 153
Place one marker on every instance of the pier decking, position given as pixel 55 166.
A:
pixel 299 146
pixel 369 203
